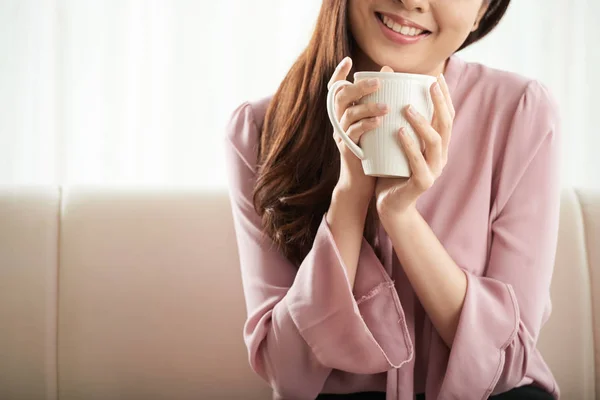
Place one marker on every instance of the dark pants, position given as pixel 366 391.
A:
pixel 521 393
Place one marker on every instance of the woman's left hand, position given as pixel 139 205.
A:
pixel 397 195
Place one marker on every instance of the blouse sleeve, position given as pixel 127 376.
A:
pixel 303 322
pixel 504 310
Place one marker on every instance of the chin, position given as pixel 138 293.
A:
pixel 397 66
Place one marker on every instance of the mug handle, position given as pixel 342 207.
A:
pixel 358 152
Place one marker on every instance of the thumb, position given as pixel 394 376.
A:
pixel 386 69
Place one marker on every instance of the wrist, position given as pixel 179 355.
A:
pixel 347 209
pixel 403 217
pixel 351 197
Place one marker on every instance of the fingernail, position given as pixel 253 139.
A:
pixel 402 132
pixel 344 62
pixel 411 110
pixel 437 89
pixel 382 107
pixel 373 82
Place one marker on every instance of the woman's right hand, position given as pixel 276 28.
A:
pixel 356 120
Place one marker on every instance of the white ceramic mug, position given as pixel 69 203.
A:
pixel 380 150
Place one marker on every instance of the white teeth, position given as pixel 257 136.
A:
pixel 404 30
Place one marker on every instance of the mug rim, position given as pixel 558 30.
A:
pixel 394 75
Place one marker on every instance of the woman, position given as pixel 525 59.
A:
pixel 438 285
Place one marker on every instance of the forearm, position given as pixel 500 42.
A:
pixel 346 219
pixel 438 282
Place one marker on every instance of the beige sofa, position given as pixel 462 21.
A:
pixel 136 294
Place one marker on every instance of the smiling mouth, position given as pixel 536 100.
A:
pixel 401 29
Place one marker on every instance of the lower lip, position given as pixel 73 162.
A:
pixel 398 37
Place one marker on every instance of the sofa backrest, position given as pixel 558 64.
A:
pixel 127 294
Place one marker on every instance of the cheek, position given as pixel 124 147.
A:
pixel 360 19
pixel 455 24
pixel 358 11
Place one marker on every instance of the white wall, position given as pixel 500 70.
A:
pixel 139 91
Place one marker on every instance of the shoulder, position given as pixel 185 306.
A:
pixel 513 109
pixel 509 95
pixel 476 74
pixel 244 127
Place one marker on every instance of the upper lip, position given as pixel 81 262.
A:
pixel 403 21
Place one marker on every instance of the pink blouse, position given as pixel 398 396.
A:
pixel 495 209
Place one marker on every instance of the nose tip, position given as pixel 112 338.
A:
pixel 416 5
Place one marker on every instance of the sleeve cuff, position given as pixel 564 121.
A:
pixel 368 338
pixel 488 323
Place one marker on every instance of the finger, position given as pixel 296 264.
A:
pixel 440 107
pixel 355 131
pixel 337 138
pixel 386 69
pixel 421 177
pixel 447 96
pixel 353 93
pixel 341 71
pixel 432 139
pixel 354 114
pixel 443 118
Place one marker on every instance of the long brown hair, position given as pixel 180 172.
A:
pixel 297 156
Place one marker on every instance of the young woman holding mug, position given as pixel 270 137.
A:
pixel 435 286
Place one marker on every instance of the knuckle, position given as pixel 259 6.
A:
pixel 341 95
pixel 363 124
pixel 418 181
pixel 337 100
pixel 418 123
pixel 354 133
pixel 434 139
pixel 359 128
pixel 366 88
pixel 415 157
pixel 344 119
pixel 367 111
pixel 370 122
pixel 423 182
pixel 351 114
pixel 343 122
pixel 446 124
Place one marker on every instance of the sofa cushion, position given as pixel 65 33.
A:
pixel 29 219
pixel 590 206
pixel 151 303
pixel 566 339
